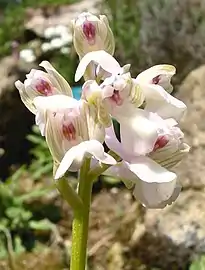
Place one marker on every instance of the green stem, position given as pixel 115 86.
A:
pixel 99 169
pixel 9 248
pixel 81 221
pixel 69 194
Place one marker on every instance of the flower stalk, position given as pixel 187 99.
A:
pixel 81 221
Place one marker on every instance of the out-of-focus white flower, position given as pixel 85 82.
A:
pixel 57 43
pixel 72 131
pixel 149 146
pixel 67 37
pixel 156 86
pixel 46 46
pixel 40 83
pixel 61 30
pixel 65 50
pixel 92 33
pixel 50 32
pixel 27 55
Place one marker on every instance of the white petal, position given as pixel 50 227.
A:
pixel 165 72
pixel 113 143
pixel 90 89
pixel 120 171
pixel 76 153
pixel 54 135
pixel 63 84
pixel 107 91
pixel 169 158
pixel 154 184
pixel 161 102
pixel 138 133
pixel 156 196
pixel 105 60
pixel 51 103
pixel 40 122
pixel 172 199
pixel 149 171
pixel 125 69
pixel 24 96
pixel 54 102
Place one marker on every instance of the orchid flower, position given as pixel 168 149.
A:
pixel 159 75
pixel 147 157
pixel 156 85
pixel 118 96
pixel 40 83
pixel 72 131
pixel 92 33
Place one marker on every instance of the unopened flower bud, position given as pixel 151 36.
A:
pixel 92 33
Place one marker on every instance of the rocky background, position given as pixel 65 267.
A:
pixel 123 235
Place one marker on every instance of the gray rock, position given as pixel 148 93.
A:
pixel 172 236
pixel 39 21
pixel 192 91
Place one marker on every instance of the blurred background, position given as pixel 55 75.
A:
pixel 35 223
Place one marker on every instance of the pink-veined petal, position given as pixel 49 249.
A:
pixel 26 99
pixel 64 87
pixel 76 154
pixel 52 103
pixel 158 74
pixel 102 58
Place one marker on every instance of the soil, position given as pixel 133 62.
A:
pixel 112 223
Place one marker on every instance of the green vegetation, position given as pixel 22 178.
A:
pixel 42 163
pixel 125 23
pixel 13 18
pixel 198 264
pixel 17 218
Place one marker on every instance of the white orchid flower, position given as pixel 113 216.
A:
pixel 40 83
pixel 156 85
pixel 92 33
pixel 72 131
pixel 159 75
pixel 101 65
pixel 157 147
pixel 118 96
